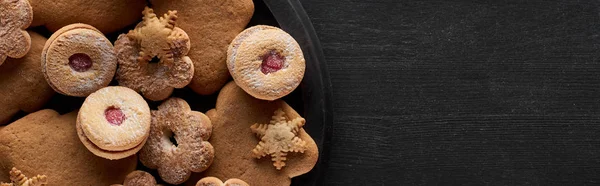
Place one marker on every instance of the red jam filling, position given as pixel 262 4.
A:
pixel 272 62
pixel 80 62
pixel 114 116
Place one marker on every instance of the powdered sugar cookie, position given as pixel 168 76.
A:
pixel 211 26
pixel 15 17
pixel 114 122
pixel 212 181
pixel 159 39
pixel 191 130
pixel 78 60
pixel 266 62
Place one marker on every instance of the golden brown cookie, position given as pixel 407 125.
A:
pixel 46 142
pixel 212 181
pixel 138 178
pixel 15 17
pixel 78 60
pixel 17 178
pixel 22 83
pixel 114 122
pixel 154 38
pixel 233 140
pixel 266 62
pixel 211 26
pixel 106 15
pixel 191 130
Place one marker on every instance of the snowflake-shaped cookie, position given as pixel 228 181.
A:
pixel 19 179
pixel 15 17
pixel 278 138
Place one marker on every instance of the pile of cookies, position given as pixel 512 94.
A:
pixel 200 44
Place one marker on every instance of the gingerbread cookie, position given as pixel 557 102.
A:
pixel 211 26
pixel 78 60
pixel 46 142
pixel 191 153
pixel 15 17
pixel 266 62
pixel 154 39
pixel 138 178
pixel 234 140
pixel 212 181
pixel 23 85
pixel 17 178
pixel 114 122
pixel 106 15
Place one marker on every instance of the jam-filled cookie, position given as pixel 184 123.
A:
pixel 153 57
pixel 78 60
pixel 213 181
pixel 15 17
pixel 191 131
pixel 114 122
pixel 266 62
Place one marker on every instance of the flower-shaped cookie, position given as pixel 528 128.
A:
pixel 138 178
pixel 191 151
pixel 278 138
pixel 234 140
pixel 212 181
pixel 18 179
pixel 152 57
pixel 15 17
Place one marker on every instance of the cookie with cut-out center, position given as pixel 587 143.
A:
pixel 15 17
pixel 211 25
pixel 234 141
pixel 212 181
pixel 46 142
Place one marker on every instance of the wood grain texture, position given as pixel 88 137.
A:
pixel 462 92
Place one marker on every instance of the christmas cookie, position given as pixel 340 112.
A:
pixel 211 26
pixel 46 143
pixel 266 62
pixel 152 57
pixel 15 17
pixel 106 15
pixel 23 85
pixel 212 181
pixel 78 60
pixel 138 178
pixel 191 153
pixel 236 142
pixel 114 122
pixel 17 178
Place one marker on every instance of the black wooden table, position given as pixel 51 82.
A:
pixel 462 92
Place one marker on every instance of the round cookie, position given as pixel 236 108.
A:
pixel 138 178
pixel 266 62
pixel 46 143
pixel 159 39
pixel 234 141
pixel 212 181
pixel 24 87
pixel 78 60
pixel 191 153
pixel 15 17
pixel 114 122
pixel 106 15
pixel 211 27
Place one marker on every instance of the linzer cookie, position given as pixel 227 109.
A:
pixel 237 145
pixel 212 181
pixel 17 178
pixel 15 17
pixel 78 60
pixel 191 131
pixel 211 26
pixel 138 178
pixel 266 62
pixel 106 15
pixel 23 87
pixel 114 122
pixel 46 143
pixel 152 57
